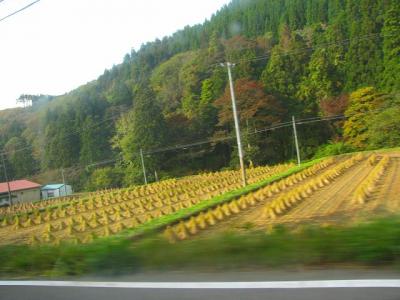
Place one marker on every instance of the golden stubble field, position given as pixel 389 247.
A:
pixel 106 213
pixel 338 190
pixel 348 188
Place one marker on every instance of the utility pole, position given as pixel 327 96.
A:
pixel 143 167
pixel 6 178
pixel 155 175
pixel 295 140
pixel 63 178
pixel 237 126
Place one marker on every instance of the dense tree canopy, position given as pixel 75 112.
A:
pixel 292 57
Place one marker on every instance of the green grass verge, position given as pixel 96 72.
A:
pixel 372 243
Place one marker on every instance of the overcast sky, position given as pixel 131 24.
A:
pixel 57 45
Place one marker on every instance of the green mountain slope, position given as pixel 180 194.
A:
pixel 293 57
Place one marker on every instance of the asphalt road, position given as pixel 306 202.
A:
pixel 280 285
pixel 61 293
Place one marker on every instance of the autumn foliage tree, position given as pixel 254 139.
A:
pixel 253 103
pixel 256 110
pixel 364 103
pixel 335 107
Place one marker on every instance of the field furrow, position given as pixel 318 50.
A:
pixel 387 196
pixel 333 202
pixel 333 197
pixel 109 212
pixel 249 215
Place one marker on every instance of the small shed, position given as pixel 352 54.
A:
pixel 56 190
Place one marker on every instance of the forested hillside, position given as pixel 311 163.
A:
pixel 333 64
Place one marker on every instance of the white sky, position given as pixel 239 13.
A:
pixel 57 45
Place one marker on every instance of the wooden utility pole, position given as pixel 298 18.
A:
pixel 63 179
pixel 6 178
pixel 237 126
pixel 143 167
pixel 296 141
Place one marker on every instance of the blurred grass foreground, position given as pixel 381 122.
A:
pixel 374 243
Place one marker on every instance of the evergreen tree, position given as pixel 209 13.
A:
pixel 61 141
pixel 19 156
pixel 286 66
pixel 325 70
pixel 384 129
pixel 364 58
pixel 391 48
pixel 207 113
pixel 142 128
pixel 93 141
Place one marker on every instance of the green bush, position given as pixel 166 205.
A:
pixel 333 149
pixel 104 178
pixel 384 129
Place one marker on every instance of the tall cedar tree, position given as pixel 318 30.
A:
pixel 21 163
pixel 142 128
pixel 287 65
pixel 364 57
pixel 94 144
pixel 391 49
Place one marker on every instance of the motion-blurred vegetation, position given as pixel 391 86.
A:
pixel 372 243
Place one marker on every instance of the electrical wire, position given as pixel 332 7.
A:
pixel 231 137
pixel 67 135
pixel 305 49
pixel 77 131
pixel 19 10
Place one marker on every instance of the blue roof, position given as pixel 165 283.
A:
pixel 53 186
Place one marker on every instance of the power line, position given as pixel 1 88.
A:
pixel 231 137
pixel 280 125
pixel 241 61
pixel 20 10
pixel 72 132
pixel 221 139
pixel 215 140
pixel 256 131
pixel 305 49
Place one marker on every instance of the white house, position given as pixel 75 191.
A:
pixel 56 190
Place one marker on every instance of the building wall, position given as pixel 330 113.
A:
pixel 26 196
pixel 61 192
pixel 49 194
pixel 67 191
pixel 3 199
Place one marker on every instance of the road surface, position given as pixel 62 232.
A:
pixel 326 285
